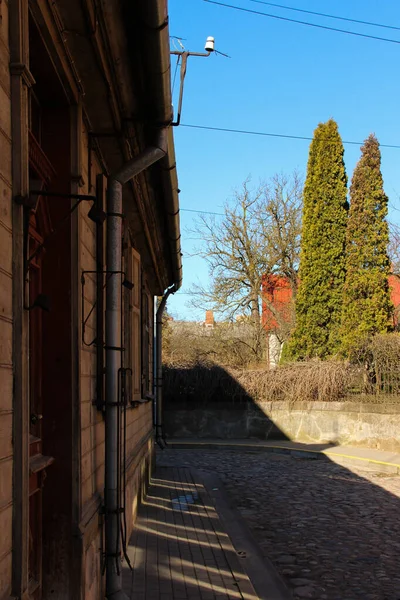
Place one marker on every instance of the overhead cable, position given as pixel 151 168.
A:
pixel 319 26
pixel 275 135
pixel 318 14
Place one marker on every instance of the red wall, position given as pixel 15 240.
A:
pixel 277 291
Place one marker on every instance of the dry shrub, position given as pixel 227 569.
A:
pixel 307 381
pixel 385 354
pixel 200 384
pixel 203 382
pixel 199 380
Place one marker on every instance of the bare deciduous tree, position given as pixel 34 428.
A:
pixel 394 247
pixel 258 235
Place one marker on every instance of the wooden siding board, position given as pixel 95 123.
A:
pixel 6 383
pixel 5 113
pixel 5 204
pixel 6 467
pixel 4 70
pixel 5 575
pixel 5 295
pixel 4 20
pixel 5 247
pixel 5 154
pixel 5 343
pixel 5 435
pixel 6 532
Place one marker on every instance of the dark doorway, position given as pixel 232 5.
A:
pixel 50 330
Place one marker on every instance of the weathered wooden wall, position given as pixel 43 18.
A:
pixel 139 418
pixel 6 453
pixel 89 425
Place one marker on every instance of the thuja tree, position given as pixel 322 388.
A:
pixel 367 308
pixel 322 258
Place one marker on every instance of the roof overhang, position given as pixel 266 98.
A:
pixel 150 30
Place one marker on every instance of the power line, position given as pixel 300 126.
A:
pixel 203 212
pixel 318 14
pixel 280 18
pixel 187 294
pixel 274 135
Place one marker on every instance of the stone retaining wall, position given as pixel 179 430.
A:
pixel 351 423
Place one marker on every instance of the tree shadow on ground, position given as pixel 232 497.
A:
pixel 208 402
pixel 332 532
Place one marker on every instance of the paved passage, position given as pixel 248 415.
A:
pixel 333 532
pixel 179 549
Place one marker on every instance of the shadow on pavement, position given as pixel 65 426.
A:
pixel 332 532
pixel 208 402
pixel 180 549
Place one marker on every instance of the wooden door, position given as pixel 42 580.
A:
pixel 37 462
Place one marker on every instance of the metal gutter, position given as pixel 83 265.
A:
pixel 113 349
pixel 158 379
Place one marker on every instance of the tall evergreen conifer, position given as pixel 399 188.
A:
pixel 322 259
pixel 367 308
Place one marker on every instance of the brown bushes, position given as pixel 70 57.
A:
pixel 374 380
pixel 313 380
pixel 203 382
pixel 385 353
pixel 200 384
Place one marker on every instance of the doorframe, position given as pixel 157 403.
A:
pixel 76 123
pixel 21 81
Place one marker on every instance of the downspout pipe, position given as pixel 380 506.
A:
pixel 159 377
pixel 113 348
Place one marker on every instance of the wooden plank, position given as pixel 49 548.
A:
pixel 86 441
pixel 86 491
pixel 5 576
pixel 6 531
pixel 5 70
pixel 6 467
pixel 99 433
pixel 5 246
pixel 87 466
pixel 6 331
pixel 5 297
pixel 5 153
pixel 99 479
pixel 21 79
pixel 86 409
pixel 99 455
pixel 6 384
pixel 4 23
pixel 5 203
pixel 5 112
pixel 88 362
pixel 6 422
pixel 39 462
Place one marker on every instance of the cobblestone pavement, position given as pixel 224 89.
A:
pixel 332 532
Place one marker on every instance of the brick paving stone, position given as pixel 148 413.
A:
pixel 332 532
pixel 179 549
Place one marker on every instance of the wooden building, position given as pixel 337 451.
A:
pixel 84 89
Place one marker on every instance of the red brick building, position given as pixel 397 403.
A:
pixel 278 306
pixel 277 303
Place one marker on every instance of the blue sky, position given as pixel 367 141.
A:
pixel 282 78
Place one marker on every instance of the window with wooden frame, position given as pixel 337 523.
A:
pixel 132 325
pixel 147 344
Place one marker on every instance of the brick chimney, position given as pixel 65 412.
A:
pixel 209 322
